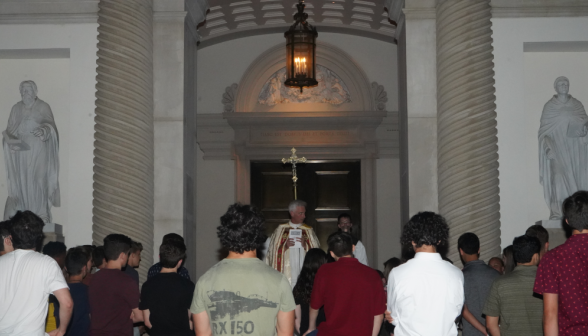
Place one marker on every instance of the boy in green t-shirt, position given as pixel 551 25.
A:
pixel 241 295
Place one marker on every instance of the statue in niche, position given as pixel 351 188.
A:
pixel 563 148
pixel 31 146
pixel 330 90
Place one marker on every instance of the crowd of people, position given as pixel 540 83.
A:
pixel 296 288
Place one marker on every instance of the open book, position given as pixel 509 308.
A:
pixel 15 142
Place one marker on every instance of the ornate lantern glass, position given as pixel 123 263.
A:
pixel 300 51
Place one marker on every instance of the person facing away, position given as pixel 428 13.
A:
pixel 313 260
pixel 77 263
pixel 113 294
pixel 541 233
pixel 477 280
pixel 425 294
pixel 27 278
pixel 344 223
pixel 350 292
pixel 497 264
pixel 5 239
pixel 511 308
pixel 266 305
pixel 156 268
pixel 563 273
pixel 282 253
pixel 166 297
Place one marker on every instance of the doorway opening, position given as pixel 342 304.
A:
pixel 329 188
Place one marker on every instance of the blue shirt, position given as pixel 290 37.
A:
pixel 80 319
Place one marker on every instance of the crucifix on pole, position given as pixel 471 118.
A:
pixel 294 160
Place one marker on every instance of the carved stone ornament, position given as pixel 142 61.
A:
pixel 330 90
pixel 229 97
pixel 380 96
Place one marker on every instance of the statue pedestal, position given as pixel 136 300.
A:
pixel 556 230
pixel 53 232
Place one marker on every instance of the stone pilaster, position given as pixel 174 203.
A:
pixel 123 146
pixel 466 124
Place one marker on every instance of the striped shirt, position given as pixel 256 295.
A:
pixel 511 298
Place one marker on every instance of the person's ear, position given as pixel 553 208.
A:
pixel 84 271
pixel 478 251
pixel 461 252
pixel 353 248
pixel 179 263
pixel 122 255
pixel 333 255
pixel 8 241
pixel 535 259
pixel 546 246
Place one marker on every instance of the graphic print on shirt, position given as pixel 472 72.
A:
pixel 231 304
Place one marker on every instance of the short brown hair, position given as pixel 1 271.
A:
pixel 538 232
pixel 136 247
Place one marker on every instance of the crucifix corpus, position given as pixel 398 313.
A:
pixel 294 160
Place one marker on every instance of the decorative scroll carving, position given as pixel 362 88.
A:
pixel 229 97
pixel 123 146
pixel 380 96
pixel 466 124
pixel 330 89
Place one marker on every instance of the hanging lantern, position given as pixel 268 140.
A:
pixel 300 51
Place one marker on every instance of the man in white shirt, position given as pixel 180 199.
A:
pixel 26 280
pixel 425 295
pixel 345 225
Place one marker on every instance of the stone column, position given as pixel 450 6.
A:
pixel 467 142
pixel 123 146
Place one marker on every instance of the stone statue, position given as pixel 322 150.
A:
pixel 31 146
pixel 563 149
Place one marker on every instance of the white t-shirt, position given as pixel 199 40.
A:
pixel 26 280
pixel 425 296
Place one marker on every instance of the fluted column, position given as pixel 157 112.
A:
pixel 467 142
pixel 123 146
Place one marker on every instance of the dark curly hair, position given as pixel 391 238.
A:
pixel 242 228
pixel 314 259
pixel 425 228
pixel 26 229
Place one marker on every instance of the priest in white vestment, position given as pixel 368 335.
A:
pixel 282 254
pixel 563 148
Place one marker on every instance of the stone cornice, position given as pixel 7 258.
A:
pixel 219 135
pixel 538 8
pixel 48 11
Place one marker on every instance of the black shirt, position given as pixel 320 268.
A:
pixel 168 297
pixel 304 310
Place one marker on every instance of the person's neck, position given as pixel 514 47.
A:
pixel 113 264
pixel 169 270
pixel 75 278
pixel 244 255
pixel 469 257
pixel 426 249
pixel 347 256
pixel 577 232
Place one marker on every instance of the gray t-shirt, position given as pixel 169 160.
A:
pixel 242 297
pixel 477 280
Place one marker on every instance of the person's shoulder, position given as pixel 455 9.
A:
pixel 305 226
